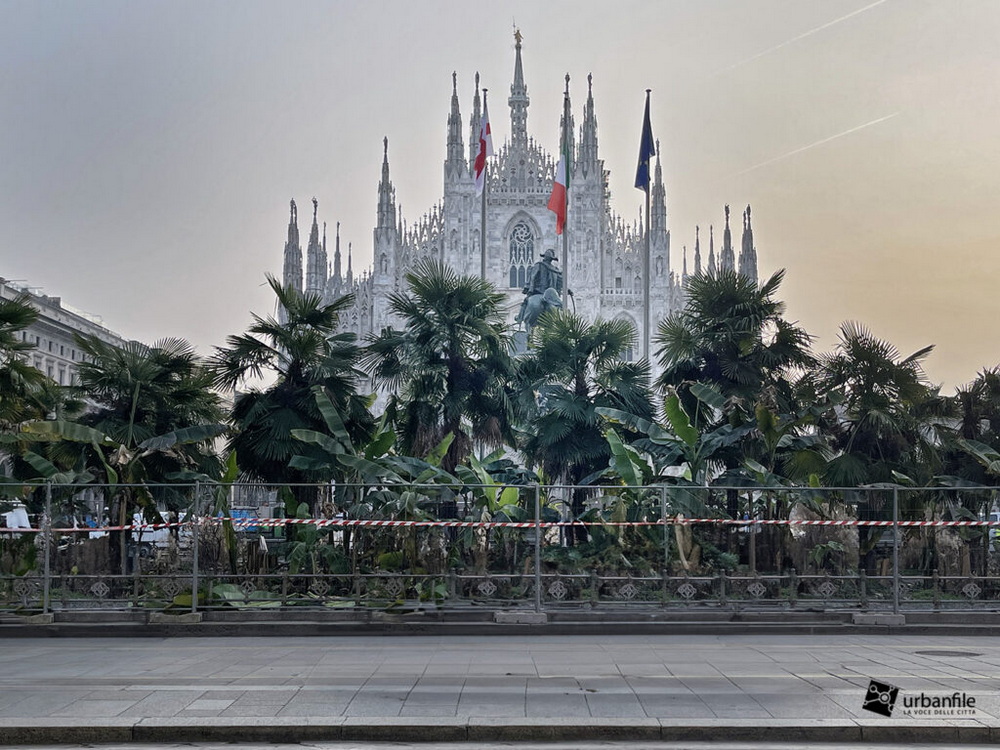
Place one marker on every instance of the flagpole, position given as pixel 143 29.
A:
pixel 647 149
pixel 565 155
pixel 482 215
pixel 645 274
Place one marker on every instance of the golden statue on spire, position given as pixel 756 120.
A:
pixel 517 36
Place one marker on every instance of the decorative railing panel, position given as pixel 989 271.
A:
pixel 419 547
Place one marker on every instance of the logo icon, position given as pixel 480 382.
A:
pixel 880 698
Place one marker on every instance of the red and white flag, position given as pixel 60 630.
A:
pixel 557 201
pixel 485 149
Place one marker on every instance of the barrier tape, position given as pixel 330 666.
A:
pixel 365 523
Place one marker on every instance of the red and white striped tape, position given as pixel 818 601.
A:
pixel 372 523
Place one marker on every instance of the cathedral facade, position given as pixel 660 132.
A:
pixel 606 255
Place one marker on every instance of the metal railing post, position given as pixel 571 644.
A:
pixel 538 549
pixel 895 550
pixel 47 570
pixel 194 547
pixel 666 530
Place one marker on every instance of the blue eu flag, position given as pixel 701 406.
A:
pixel 647 150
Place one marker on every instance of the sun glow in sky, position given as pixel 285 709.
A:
pixel 148 150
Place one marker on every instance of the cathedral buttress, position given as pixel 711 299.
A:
pixel 386 194
pixel 518 101
pixel 587 163
pixel 338 280
pixel 748 253
pixel 727 260
pixel 291 273
pixel 455 166
pixel 316 268
pixel 711 249
pixel 659 241
pixel 697 252
pixel 386 243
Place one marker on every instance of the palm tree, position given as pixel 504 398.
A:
pixel 979 407
pixel 448 368
pixel 136 391
pixel 731 334
pixel 304 351
pixel 883 415
pixel 150 420
pixel 977 428
pixel 571 369
pixel 22 387
pixel 883 419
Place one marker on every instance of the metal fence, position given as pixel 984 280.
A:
pixel 188 548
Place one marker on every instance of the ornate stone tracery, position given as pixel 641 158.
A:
pixel 522 254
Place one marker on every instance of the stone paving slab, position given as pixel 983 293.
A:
pixel 395 688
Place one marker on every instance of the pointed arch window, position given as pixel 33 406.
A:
pixel 522 252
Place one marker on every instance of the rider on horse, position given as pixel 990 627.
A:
pixel 542 290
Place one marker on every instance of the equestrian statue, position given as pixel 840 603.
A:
pixel 542 290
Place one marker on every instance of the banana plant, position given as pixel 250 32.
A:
pixel 679 451
pixel 124 470
pixel 364 475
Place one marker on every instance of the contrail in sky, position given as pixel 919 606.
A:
pixel 803 35
pixel 817 143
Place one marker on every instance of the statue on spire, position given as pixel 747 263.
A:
pixel 518 100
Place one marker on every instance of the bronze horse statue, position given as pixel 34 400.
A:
pixel 535 304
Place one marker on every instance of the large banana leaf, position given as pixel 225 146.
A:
pixel 61 430
pixel 327 443
pixel 45 468
pixel 368 471
pixel 637 424
pixel 332 418
pixel 185 436
pixel 709 395
pixel 436 456
pixel 679 421
pixel 626 461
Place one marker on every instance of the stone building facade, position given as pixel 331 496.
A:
pixel 56 353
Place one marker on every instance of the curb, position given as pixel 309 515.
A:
pixel 305 628
pixel 449 729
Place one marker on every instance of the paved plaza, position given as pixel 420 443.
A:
pixel 387 688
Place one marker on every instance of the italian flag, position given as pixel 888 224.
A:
pixel 558 199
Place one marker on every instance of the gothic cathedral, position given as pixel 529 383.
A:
pixel 605 253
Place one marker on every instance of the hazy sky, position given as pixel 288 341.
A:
pixel 148 149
